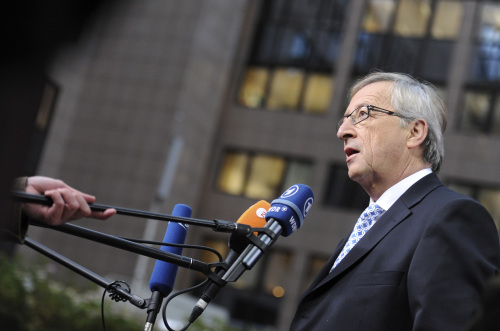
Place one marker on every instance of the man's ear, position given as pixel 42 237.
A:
pixel 418 130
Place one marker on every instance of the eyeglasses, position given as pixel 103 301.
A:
pixel 362 113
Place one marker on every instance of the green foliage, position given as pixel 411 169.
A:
pixel 29 301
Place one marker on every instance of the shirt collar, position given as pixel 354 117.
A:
pixel 389 197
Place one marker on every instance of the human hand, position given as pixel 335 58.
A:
pixel 69 203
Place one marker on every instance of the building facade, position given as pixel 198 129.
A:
pixel 218 104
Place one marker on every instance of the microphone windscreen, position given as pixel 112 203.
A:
pixel 291 208
pixel 164 273
pixel 254 217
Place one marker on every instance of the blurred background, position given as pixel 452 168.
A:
pixel 218 104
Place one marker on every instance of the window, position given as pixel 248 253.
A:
pixel 413 36
pixel 486 58
pixel 342 192
pixel 489 197
pixel 481 110
pixel 291 63
pixel 260 176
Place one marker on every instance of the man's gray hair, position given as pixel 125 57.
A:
pixel 414 99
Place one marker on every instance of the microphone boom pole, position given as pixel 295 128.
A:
pixel 216 225
pixel 92 276
pixel 103 238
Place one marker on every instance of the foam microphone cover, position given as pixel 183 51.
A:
pixel 164 273
pixel 291 208
pixel 254 217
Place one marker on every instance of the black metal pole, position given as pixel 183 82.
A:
pixel 103 238
pixel 90 275
pixel 216 225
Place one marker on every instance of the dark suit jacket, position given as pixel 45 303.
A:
pixel 422 266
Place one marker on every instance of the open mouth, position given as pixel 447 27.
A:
pixel 350 151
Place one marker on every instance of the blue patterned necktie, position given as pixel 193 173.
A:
pixel 364 223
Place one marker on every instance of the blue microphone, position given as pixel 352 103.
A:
pixel 290 209
pixel 162 279
pixel 286 215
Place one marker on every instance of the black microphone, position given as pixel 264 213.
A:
pixel 253 216
pixel 284 217
pixel 163 276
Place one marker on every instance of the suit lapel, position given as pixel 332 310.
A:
pixel 396 214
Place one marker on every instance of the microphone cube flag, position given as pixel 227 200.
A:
pixel 291 208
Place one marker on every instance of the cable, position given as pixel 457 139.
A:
pixel 150 242
pixel 176 294
pixel 113 295
pixel 117 298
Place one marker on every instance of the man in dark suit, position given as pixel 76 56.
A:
pixel 419 257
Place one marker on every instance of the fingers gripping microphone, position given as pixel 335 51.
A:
pixel 162 279
pixel 253 216
pixel 286 215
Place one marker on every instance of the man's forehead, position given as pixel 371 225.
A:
pixel 377 92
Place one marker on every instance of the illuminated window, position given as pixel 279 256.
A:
pixel 446 24
pixel 291 62
pixel 476 111
pixel 265 176
pixel 286 85
pixel 283 91
pixel 232 177
pixel 260 176
pixel 378 15
pixel 253 88
pixel 412 17
pixel 481 111
pixel 413 36
pixel 317 93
